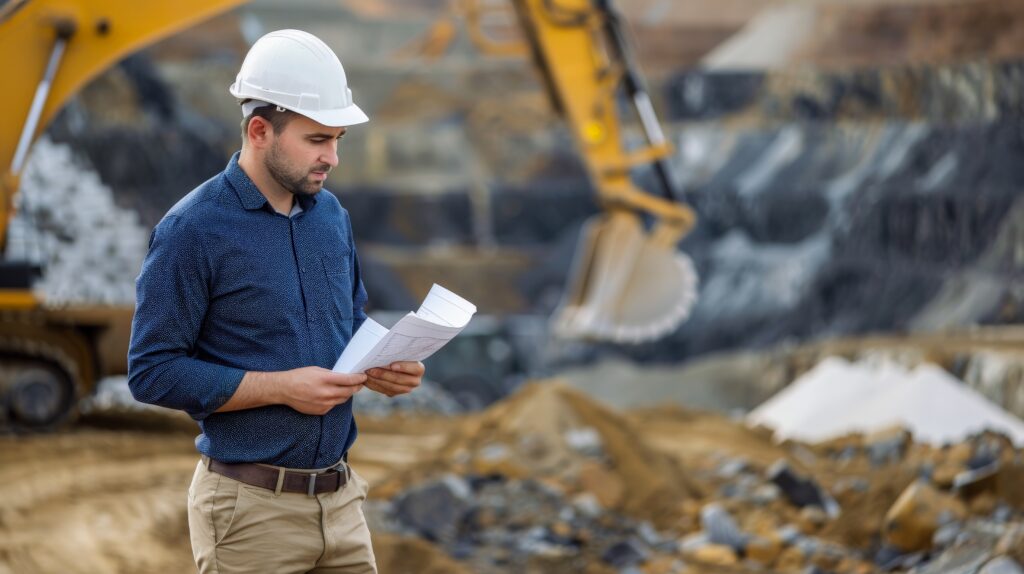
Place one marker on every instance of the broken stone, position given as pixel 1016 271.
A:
pixel 586 441
pixel 799 490
pixel 980 532
pixel 763 550
pixel 808 546
pixel 732 468
pixel 812 519
pixel 945 474
pixel 693 542
pixel 496 460
pixel 988 448
pixel 661 565
pixel 959 560
pixel 625 554
pixel 854 566
pixel 789 534
pixel 971 483
pixel 960 453
pixel 1010 484
pixel 850 484
pixel 586 503
pixel 946 534
pixel 887 446
pixel 791 559
pixel 982 504
pixel 561 530
pixel 649 535
pixel 1012 543
pixel 912 520
pixel 765 494
pixel 890 558
pixel 717 554
pixel 436 509
pixel 1001 565
pixel 1002 513
pixel 721 528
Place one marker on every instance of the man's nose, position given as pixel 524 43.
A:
pixel 330 157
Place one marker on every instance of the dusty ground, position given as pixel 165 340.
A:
pixel 109 495
pixel 96 500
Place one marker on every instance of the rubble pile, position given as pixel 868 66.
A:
pixel 66 222
pixel 551 481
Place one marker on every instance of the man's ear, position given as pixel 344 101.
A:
pixel 259 131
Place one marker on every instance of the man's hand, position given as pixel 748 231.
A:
pixel 398 379
pixel 315 391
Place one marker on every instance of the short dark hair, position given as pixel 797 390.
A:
pixel 278 119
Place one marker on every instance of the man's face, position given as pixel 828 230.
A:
pixel 301 156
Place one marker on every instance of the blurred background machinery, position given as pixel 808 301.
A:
pixel 630 284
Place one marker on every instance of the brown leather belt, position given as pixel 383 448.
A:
pixel 279 479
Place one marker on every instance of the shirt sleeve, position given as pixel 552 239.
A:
pixel 172 297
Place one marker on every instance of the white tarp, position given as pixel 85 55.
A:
pixel 838 397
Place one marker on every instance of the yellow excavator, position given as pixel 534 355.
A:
pixel 628 284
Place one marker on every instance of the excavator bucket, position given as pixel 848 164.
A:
pixel 627 285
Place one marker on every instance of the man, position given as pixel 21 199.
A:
pixel 249 293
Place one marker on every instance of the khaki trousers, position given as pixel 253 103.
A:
pixel 235 527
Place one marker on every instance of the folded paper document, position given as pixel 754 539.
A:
pixel 441 316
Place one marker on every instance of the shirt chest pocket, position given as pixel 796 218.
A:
pixel 337 292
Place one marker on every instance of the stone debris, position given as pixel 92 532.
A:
pixel 721 528
pixel 66 221
pixel 437 509
pixel 799 490
pixel 912 522
pixel 537 495
pixel 1001 565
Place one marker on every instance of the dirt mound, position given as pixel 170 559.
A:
pixel 551 432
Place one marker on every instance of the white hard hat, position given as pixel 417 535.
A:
pixel 297 71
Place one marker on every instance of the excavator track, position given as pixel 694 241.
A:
pixel 42 373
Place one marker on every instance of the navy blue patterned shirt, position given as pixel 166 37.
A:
pixel 229 286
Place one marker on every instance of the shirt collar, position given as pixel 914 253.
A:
pixel 250 195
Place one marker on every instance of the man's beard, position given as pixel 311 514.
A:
pixel 295 181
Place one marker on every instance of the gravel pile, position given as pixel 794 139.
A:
pixel 66 221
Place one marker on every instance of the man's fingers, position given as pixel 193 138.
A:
pixel 415 368
pixel 394 377
pixel 383 383
pixel 345 379
pixel 387 388
pixel 338 393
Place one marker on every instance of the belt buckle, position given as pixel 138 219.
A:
pixel 312 485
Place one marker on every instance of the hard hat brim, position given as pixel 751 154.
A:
pixel 338 118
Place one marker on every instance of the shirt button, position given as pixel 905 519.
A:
pixel 303 269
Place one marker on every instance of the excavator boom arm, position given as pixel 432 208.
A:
pixel 52 48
